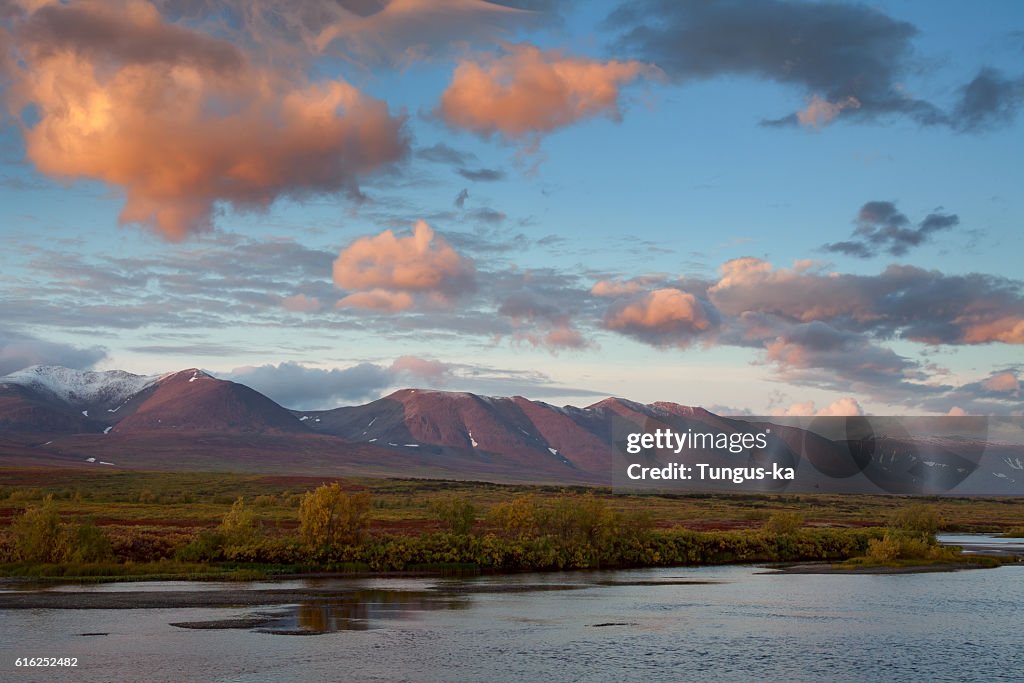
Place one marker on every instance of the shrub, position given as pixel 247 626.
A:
pixel 457 515
pixel 329 517
pixel 239 525
pixel 784 523
pixel 918 520
pixel 91 544
pixel 517 518
pixel 207 546
pixel 38 536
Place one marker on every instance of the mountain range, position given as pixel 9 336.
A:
pixel 190 420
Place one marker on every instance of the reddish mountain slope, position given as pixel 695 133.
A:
pixel 191 400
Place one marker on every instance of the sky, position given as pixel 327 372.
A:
pixel 773 207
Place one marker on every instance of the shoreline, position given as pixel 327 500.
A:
pixel 880 570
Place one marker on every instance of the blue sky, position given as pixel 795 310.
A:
pixel 548 151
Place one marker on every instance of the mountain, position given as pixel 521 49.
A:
pixel 56 400
pixel 190 420
pixel 194 401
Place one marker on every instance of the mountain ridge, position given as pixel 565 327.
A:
pixel 51 416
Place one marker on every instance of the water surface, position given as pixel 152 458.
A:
pixel 711 623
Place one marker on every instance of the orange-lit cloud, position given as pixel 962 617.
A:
pixel 843 407
pixel 663 317
pixel 820 112
pixel 560 336
pixel 527 92
pixel 385 270
pixel 1006 329
pixel 1003 382
pixel 433 370
pixel 613 288
pixel 378 300
pixel 182 121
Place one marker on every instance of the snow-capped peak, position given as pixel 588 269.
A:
pixel 82 387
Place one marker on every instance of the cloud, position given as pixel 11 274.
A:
pixel 663 317
pixel 849 58
pixel 920 305
pixel 541 322
pixel 882 227
pixel 999 393
pixel 387 270
pixel 182 121
pixel 18 351
pixel 482 174
pixel 399 30
pixel 381 300
pixel 1003 383
pixel 988 100
pixel 300 303
pixel 616 288
pixel 819 112
pixel 460 198
pixel 818 354
pixel 303 387
pixel 298 386
pixel 444 154
pixel 526 92
pixel 843 407
pixel 435 371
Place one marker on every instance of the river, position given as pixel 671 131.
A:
pixel 707 623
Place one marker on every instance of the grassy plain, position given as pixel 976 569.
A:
pixel 150 516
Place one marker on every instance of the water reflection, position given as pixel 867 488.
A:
pixel 359 610
pixel 365 610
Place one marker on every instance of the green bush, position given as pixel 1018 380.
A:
pixel 91 544
pixel 455 514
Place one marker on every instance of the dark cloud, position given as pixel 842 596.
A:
pixel 903 301
pixel 487 215
pixel 443 154
pixel 542 308
pixel 988 100
pixel 882 227
pixel 119 38
pixel 19 350
pixel 817 353
pixel 460 198
pixel 482 174
pixel 849 58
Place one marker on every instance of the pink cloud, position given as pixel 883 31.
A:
pixel 560 336
pixel 847 406
pixel 180 120
pixel 1003 382
pixel 432 370
pixel 616 288
pixel 527 91
pixel 377 300
pixel 664 317
pixel 820 112
pixel 387 270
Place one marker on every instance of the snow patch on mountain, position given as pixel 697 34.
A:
pixel 82 387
